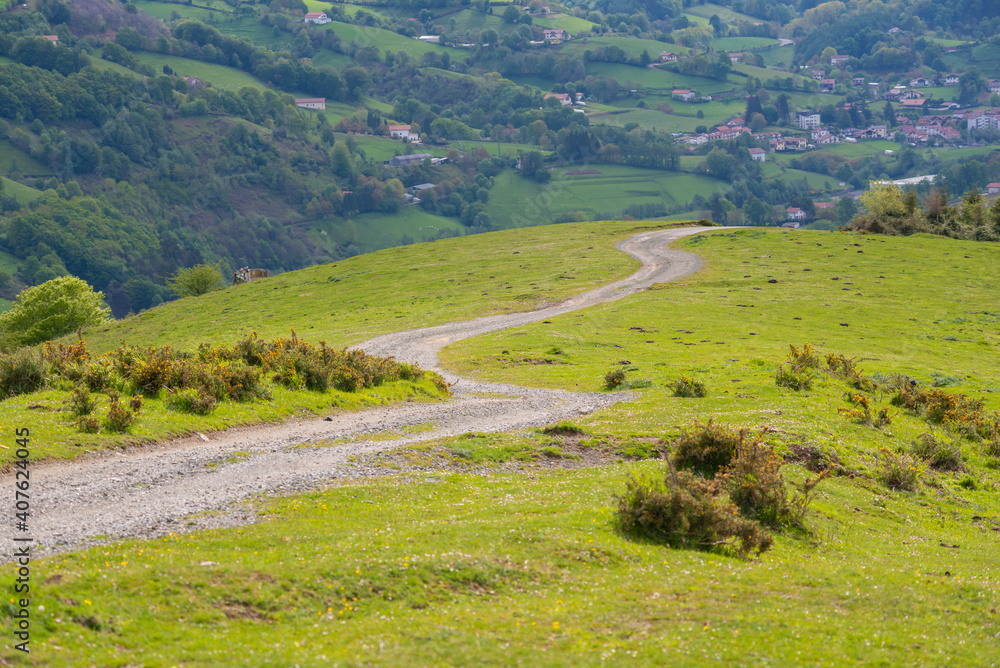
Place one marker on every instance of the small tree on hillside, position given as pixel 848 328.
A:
pixel 196 280
pixel 50 310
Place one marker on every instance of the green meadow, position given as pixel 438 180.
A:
pixel 731 44
pixel 219 76
pixel 385 40
pixel 458 563
pixel 708 9
pixel 516 201
pixel 571 24
pixel 19 191
pixel 13 159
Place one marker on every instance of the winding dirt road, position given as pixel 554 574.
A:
pixel 194 483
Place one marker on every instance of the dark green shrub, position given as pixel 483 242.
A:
pixel 21 372
pixel 708 448
pixel 197 401
pixel 757 487
pixel 938 453
pixel 794 379
pixel 88 425
pixel 897 471
pixel 685 511
pixel 81 403
pixel 614 378
pixel 119 419
pixel 688 388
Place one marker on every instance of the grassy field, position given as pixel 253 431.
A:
pixel 387 41
pixel 778 54
pixel 708 9
pixel 815 181
pixel 571 24
pixel 13 159
pixel 467 19
pixel 374 231
pixel 658 80
pixel 731 44
pixel 19 191
pixel 220 76
pixel 8 263
pixel 316 300
pixel 861 149
pixel 460 566
pixel 633 46
pixel 341 303
pixel 518 202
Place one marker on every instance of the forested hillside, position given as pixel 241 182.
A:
pixel 141 138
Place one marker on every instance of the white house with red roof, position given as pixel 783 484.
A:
pixel 402 132
pixel 319 18
pixel 684 94
pixel 795 213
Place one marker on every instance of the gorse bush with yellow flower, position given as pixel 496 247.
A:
pixel 192 382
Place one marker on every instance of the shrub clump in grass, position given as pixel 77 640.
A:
pixel 80 402
pixel 121 418
pixel 794 379
pixel 21 372
pixel 196 401
pixel 688 388
pixel 898 472
pixel 707 448
pixel 863 411
pixel 614 379
pixel 685 511
pixel 938 453
pixel 757 487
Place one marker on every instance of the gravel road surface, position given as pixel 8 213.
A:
pixel 210 481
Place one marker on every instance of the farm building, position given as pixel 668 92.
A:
pixel 317 103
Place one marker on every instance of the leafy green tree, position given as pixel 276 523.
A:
pixel 196 280
pixel 511 14
pixel 50 310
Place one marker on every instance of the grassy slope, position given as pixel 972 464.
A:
pixel 19 191
pixel 220 76
pixel 315 300
pixel 504 568
pixel 338 303
pixel 10 154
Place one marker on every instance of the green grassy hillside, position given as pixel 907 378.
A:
pixel 454 564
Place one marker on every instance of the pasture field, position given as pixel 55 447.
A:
pixel 376 231
pixel 385 40
pixel 99 63
pixel 725 13
pixel 633 46
pixel 815 180
pixel 13 159
pixel 333 59
pixel 163 10
pixel 861 149
pixel 764 74
pixel 572 24
pixel 518 202
pixel 948 153
pixel 458 564
pixel 778 54
pixel 658 80
pixel 468 19
pixel 8 263
pixel 731 44
pixel 220 76
pixel 19 191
